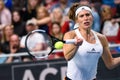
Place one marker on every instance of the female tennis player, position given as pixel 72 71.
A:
pixel 83 56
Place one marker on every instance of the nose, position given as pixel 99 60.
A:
pixel 86 17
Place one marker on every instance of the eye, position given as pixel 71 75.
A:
pixel 88 14
pixel 81 16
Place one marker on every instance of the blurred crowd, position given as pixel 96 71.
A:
pixel 19 17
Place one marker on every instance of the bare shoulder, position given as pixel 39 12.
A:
pixel 102 39
pixel 69 35
pixel 100 36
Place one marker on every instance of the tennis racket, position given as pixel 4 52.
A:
pixel 39 44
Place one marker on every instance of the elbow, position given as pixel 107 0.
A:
pixel 67 57
pixel 110 67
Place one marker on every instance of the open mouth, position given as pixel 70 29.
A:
pixel 86 23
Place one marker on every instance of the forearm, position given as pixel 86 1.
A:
pixel 43 21
pixel 69 51
pixel 109 61
pixel 118 20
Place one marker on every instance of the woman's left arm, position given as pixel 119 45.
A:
pixel 109 61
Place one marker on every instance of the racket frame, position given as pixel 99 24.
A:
pixel 34 31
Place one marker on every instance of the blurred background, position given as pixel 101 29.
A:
pixel 19 17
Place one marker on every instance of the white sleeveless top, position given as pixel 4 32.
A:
pixel 83 66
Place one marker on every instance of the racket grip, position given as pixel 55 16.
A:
pixel 70 41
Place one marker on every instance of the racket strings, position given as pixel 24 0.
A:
pixel 39 44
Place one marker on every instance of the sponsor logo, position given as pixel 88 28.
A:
pixel 93 51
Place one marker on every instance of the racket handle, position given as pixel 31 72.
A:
pixel 70 41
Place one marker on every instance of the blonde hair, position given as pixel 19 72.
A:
pixel 2 2
pixel 3 34
pixel 44 10
pixel 106 13
pixel 29 6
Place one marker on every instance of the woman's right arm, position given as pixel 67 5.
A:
pixel 45 20
pixel 69 50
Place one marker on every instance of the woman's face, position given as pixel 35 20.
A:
pixel 33 3
pixel 85 19
pixel 16 16
pixel 55 28
pixel 57 13
pixel 41 13
pixel 8 31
